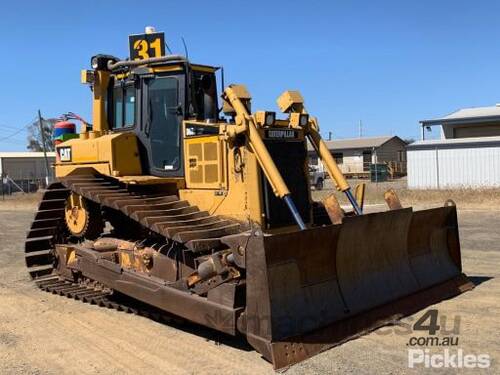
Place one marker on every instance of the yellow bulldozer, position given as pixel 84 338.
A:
pixel 179 201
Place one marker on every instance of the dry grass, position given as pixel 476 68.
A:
pixel 464 198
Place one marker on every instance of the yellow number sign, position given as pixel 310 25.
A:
pixel 145 46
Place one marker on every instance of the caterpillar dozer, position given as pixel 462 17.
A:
pixel 191 204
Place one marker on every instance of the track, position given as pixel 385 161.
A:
pixel 45 230
pixel 165 215
pixel 101 297
pixel 47 226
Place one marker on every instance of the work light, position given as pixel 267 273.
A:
pixel 265 118
pixel 270 117
pixel 299 119
pixel 304 119
pixel 95 62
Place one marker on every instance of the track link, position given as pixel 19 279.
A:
pixel 165 215
pixel 99 297
pixel 41 238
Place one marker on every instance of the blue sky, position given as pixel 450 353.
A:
pixel 387 63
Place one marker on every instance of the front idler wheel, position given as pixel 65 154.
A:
pixel 83 217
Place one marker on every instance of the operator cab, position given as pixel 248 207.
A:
pixel 153 101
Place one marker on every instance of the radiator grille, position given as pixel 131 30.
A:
pixel 290 158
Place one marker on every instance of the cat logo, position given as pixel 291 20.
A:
pixel 64 153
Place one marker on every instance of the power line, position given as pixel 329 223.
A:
pixel 5 127
pixel 13 134
pixel 17 132
pixel 10 140
pixel 6 133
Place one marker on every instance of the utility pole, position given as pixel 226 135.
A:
pixel 42 134
pixel 360 129
pixel 2 179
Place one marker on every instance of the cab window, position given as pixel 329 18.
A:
pixel 129 107
pixel 123 115
pixel 204 96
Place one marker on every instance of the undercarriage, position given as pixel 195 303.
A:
pixel 173 260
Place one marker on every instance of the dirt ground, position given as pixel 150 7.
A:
pixel 42 333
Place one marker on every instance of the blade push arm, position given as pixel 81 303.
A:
pixel 330 164
pixel 234 95
pixel 292 102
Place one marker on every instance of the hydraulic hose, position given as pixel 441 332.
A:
pixel 125 63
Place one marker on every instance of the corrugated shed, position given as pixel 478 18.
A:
pixel 469 167
pixel 464 163
pixel 421 169
pixel 25 165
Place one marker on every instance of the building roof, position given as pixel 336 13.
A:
pixel 463 142
pixel 357 143
pixel 474 114
pixel 17 154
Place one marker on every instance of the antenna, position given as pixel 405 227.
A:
pixel 185 48
pixel 222 78
pixel 168 48
pixel 221 85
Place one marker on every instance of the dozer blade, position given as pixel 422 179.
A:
pixel 313 289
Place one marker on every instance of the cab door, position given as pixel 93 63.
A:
pixel 163 98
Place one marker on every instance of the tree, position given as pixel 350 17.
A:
pixel 35 137
pixel 408 140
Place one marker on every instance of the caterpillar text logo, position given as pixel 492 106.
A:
pixel 281 134
pixel 64 153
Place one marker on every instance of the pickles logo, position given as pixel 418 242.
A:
pixel 439 335
pixel 447 359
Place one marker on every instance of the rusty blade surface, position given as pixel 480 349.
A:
pixel 310 290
